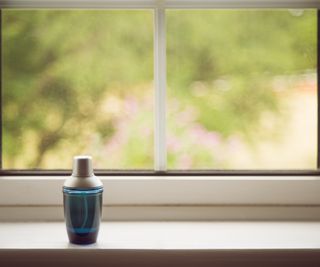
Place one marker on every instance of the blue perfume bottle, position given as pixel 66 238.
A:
pixel 82 201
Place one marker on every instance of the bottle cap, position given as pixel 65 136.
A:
pixel 82 166
pixel 82 174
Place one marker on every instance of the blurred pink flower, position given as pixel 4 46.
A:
pixel 131 105
pixel 184 162
pixel 114 143
pixel 173 144
pixel 146 132
pixel 185 117
pixel 213 139
pixel 204 137
pixel 118 138
pixel 235 143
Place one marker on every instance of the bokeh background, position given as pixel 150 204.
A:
pixel 242 88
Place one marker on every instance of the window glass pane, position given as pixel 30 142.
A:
pixel 242 89
pixel 77 82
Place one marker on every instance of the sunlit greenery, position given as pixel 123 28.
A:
pixel 81 82
pixel 222 71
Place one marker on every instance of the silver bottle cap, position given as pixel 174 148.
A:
pixel 82 166
pixel 82 174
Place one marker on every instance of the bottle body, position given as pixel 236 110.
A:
pixel 82 211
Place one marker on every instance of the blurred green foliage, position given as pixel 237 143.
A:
pixel 58 66
pixel 244 48
pixel 222 65
pixel 80 81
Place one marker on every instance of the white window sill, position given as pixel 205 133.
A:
pixel 184 190
pixel 27 198
pixel 185 243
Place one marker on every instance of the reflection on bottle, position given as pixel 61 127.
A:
pixel 82 211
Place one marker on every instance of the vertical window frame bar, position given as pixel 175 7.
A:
pixel 160 80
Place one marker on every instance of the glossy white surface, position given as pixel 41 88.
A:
pixel 168 235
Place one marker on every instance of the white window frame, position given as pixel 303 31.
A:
pixel 206 193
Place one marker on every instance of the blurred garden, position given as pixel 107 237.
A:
pixel 241 94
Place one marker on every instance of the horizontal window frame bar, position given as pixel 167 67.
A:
pixel 175 4
pixel 36 213
pixel 169 173
pixel 148 190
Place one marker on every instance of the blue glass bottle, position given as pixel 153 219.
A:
pixel 82 199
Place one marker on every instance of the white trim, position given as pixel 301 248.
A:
pixel 158 3
pixel 224 190
pixel 169 213
pixel 170 198
pixel 160 153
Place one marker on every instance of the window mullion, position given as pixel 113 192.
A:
pixel 160 153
